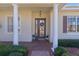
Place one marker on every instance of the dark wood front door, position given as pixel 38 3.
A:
pixel 40 27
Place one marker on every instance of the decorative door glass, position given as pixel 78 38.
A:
pixel 40 27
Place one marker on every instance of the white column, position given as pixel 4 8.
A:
pixel 55 27
pixel 15 24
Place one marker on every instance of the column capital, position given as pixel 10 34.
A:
pixel 14 4
pixel 55 4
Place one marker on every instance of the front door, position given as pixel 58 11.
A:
pixel 40 28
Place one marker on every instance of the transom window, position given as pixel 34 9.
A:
pixel 72 23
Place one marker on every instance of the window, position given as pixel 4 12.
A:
pixel 78 24
pixel 10 24
pixel 72 23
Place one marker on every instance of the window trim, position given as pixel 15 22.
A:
pixel 18 27
pixel 76 23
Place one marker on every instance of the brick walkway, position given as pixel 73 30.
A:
pixel 40 48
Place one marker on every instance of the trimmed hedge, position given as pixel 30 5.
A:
pixel 6 50
pixel 68 43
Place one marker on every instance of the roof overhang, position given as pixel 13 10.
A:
pixel 66 7
pixel 32 5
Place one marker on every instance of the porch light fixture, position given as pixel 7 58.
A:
pixel 40 13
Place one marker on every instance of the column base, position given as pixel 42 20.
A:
pixel 52 49
pixel 15 44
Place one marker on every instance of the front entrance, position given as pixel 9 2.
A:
pixel 40 28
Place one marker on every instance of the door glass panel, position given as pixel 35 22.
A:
pixel 36 29
pixel 41 27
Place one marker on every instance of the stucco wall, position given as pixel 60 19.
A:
pixel 27 22
pixel 51 21
pixel 4 35
pixel 25 17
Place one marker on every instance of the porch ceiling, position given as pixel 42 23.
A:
pixel 37 5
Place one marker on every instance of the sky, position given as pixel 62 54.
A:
pixel 72 4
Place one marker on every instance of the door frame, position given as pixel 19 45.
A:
pixel 38 27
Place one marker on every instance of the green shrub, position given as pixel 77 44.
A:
pixel 20 49
pixel 16 54
pixel 69 43
pixel 59 51
pixel 66 53
pixel 5 50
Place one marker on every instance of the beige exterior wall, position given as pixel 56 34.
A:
pixel 51 18
pixel 44 14
pixel 4 35
pixel 27 16
pixel 60 29
pixel 27 19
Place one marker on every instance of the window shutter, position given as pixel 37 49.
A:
pixel 64 24
pixel 10 24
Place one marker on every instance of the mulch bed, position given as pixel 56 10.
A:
pixel 73 51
